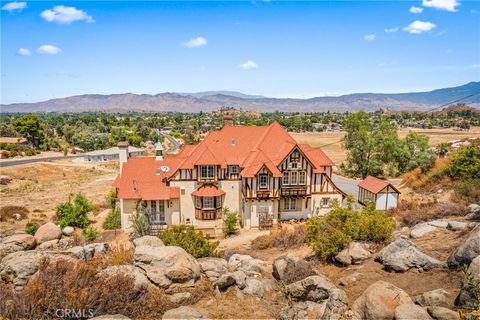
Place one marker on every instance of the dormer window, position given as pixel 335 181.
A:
pixel 232 170
pixel 263 181
pixel 207 172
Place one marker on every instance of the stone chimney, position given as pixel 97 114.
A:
pixel 227 121
pixel 122 152
pixel 158 151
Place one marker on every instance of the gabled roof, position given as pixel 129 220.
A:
pixel 208 191
pixel 375 185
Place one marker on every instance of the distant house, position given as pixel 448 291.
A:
pixel 15 141
pixel 380 192
pixel 110 154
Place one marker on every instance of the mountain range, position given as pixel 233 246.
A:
pixel 213 100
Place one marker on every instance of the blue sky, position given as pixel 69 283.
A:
pixel 276 48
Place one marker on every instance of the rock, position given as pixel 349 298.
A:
pixel 254 287
pixel 473 212
pixel 167 266
pixel 424 228
pixel 87 252
pixel 303 310
pixel 240 279
pixel 148 241
pixel 468 249
pixel 457 225
pixel 286 266
pixel 18 267
pixel 465 298
pixel 401 255
pixel 184 313
pixel 441 313
pixel 141 282
pixel 313 288
pixel 410 312
pixel 48 245
pixel 224 281
pixel 379 301
pixel 246 263
pixel 111 317
pixel 48 231
pixel 353 254
pixel 350 279
pixel 437 297
pixel 336 305
pixel 16 242
pixel 439 223
pixel 180 297
pixel 213 267
pixel 4 180
pixel 68 230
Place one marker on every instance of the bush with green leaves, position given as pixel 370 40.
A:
pixel 194 242
pixel 330 234
pixel 230 222
pixel 472 286
pixel 74 213
pixel 111 198
pixel 465 163
pixel 31 228
pixel 90 234
pixel 140 224
pixel 113 220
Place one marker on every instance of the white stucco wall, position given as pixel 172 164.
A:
pixel 383 204
pixel 232 195
pixel 317 200
pixel 187 208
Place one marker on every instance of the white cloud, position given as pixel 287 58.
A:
pixel 48 49
pixel 449 5
pixel 418 27
pixel 24 52
pixel 195 42
pixel 249 65
pixel 369 37
pixel 65 15
pixel 391 30
pixel 12 6
pixel 416 10
pixel 475 66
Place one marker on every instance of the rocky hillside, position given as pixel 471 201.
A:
pixel 210 101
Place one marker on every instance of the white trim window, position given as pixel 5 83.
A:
pixel 207 172
pixel 157 211
pixel 208 203
pixel 325 202
pixel 233 170
pixel 290 204
pixel 263 181
pixel 286 178
pixel 302 176
pixel 294 178
pixel 198 202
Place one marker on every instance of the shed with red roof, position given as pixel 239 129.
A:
pixel 378 191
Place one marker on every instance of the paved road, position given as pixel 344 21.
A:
pixel 350 186
pixel 174 144
pixel 4 164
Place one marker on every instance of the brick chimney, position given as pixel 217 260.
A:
pixel 227 121
pixel 122 152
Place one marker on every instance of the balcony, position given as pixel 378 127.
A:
pixel 294 191
pixel 207 214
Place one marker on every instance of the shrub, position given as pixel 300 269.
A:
pixel 74 214
pixel 194 242
pixel 465 163
pixel 31 228
pixel 90 234
pixel 325 239
pixel 468 190
pixel 30 152
pixel 410 213
pixel 113 220
pixel 472 286
pixel 140 224
pixel 120 254
pixel 281 238
pixel 111 198
pixel 230 222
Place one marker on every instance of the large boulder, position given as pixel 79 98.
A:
pixel 291 266
pixel 87 252
pixel 473 212
pixel 379 301
pixel 465 297
pixel 168 267
pixel 459 225
pixel 148 241
pixel 401 255
pixel 314 288
pixel 438 297
pixel 468 249
pixel 213 268
pixel 141 282
pixel 441 313
pixel 55 244
pixel 184 313
pixel 16 242
pixel 18 267
pixel 424 228
pixel 224 281
pixel 254 287
pixel 411 312
pixel 355 253
pixel 247 264
pixel 48 231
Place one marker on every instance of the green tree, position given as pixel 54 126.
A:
pixel 29 126
pixel 230 222
pixel 465 163
pixel 74 213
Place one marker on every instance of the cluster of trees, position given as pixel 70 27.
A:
pixel 374 148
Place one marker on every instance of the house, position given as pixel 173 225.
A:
pixel 380 192
pixel 261 172
pixel 14 141
pixel 111 154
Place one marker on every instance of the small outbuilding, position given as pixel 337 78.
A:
pixel 378 191
pixel 110 154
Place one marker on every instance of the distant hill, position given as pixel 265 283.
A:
pixel 213 100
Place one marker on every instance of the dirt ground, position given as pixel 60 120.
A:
pixel 40 187
pixel 332 145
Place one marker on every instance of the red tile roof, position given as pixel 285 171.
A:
pixel 373 184
pixel 208 191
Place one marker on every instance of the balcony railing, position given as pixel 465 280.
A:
pixel 294 192
pixel 207 214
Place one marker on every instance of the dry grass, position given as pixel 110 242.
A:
pixel 120 254
pixel 284 237
pixel 435 178
pixel 410 213
pixel 8 212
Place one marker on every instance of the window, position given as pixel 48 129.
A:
pixel 233 170
pixel 325 202
pixel 286 178
pixel 293 179
pixel 198 202
pixel 289 204
pixel 294 165
pixel 302 177
pixel 208 203
pixel 157 211
pixel 295 155
pixel 207 172
pixel 263 181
